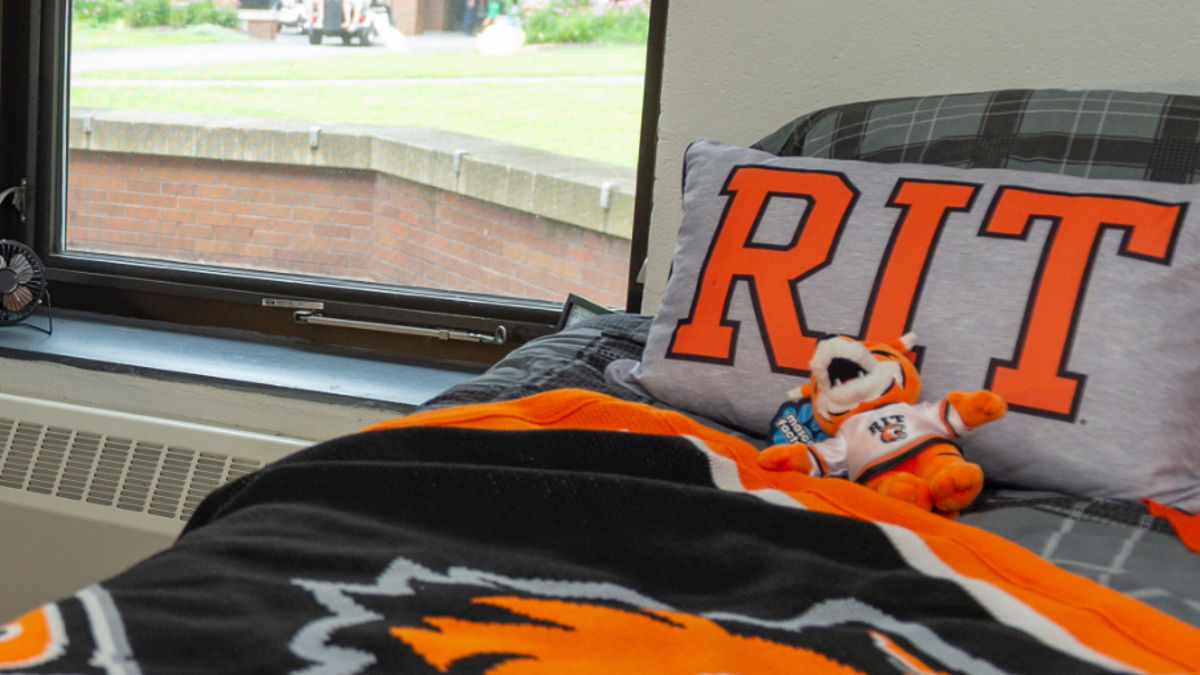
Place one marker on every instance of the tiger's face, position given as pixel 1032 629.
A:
pixel 849 377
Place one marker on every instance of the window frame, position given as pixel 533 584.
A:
pixel 33 64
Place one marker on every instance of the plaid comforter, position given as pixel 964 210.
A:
pixel 1093 133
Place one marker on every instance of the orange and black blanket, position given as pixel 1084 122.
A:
pixel 569 532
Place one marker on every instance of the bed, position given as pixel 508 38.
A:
pixel 592 503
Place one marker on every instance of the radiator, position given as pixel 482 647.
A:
pixel 85 490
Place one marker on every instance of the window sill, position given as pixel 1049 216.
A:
pixel 229 359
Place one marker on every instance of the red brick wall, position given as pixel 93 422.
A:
pixel 326 222
pixel 406 16
pixel 417 16
pixel 262 29
pixel 433 15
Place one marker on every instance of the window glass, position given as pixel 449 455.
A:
pixel 480 146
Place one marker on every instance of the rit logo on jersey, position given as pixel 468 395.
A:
pixel 889 428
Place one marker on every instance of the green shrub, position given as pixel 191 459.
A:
pixel 177 16
pixel 224 16
pixel 191 13
pixel 97 12
pixel 150 13
pixel 623 25
pixel 585 21
pixel 147 13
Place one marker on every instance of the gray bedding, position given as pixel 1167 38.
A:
pixel 1115 543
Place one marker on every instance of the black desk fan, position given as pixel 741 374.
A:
pixel 22 284
pixel 22 275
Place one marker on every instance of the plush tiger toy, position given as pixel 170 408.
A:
pixel 867 425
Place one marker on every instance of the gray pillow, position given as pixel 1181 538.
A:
pixel 1074 299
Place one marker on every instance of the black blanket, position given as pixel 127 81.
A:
pixel 457 550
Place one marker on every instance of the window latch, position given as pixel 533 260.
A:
pixel 318 319
pixel 18 195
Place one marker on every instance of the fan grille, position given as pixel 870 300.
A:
pixel 22 282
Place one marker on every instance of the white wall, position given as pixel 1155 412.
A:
pixel 736 71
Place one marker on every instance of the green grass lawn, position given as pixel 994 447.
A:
pixel 513 99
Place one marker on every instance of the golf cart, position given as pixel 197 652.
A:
pixel 291 14
pixel 325 18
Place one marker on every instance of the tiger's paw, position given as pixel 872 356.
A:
pixel 905 487
pixel 954 487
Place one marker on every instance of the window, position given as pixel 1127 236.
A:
pixel 265 168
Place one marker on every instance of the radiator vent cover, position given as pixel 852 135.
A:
pixel 111 460
pixel 132 475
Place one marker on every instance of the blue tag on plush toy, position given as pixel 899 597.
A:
pixel 794 423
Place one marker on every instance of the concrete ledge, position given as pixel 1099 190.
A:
pixel 591 195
